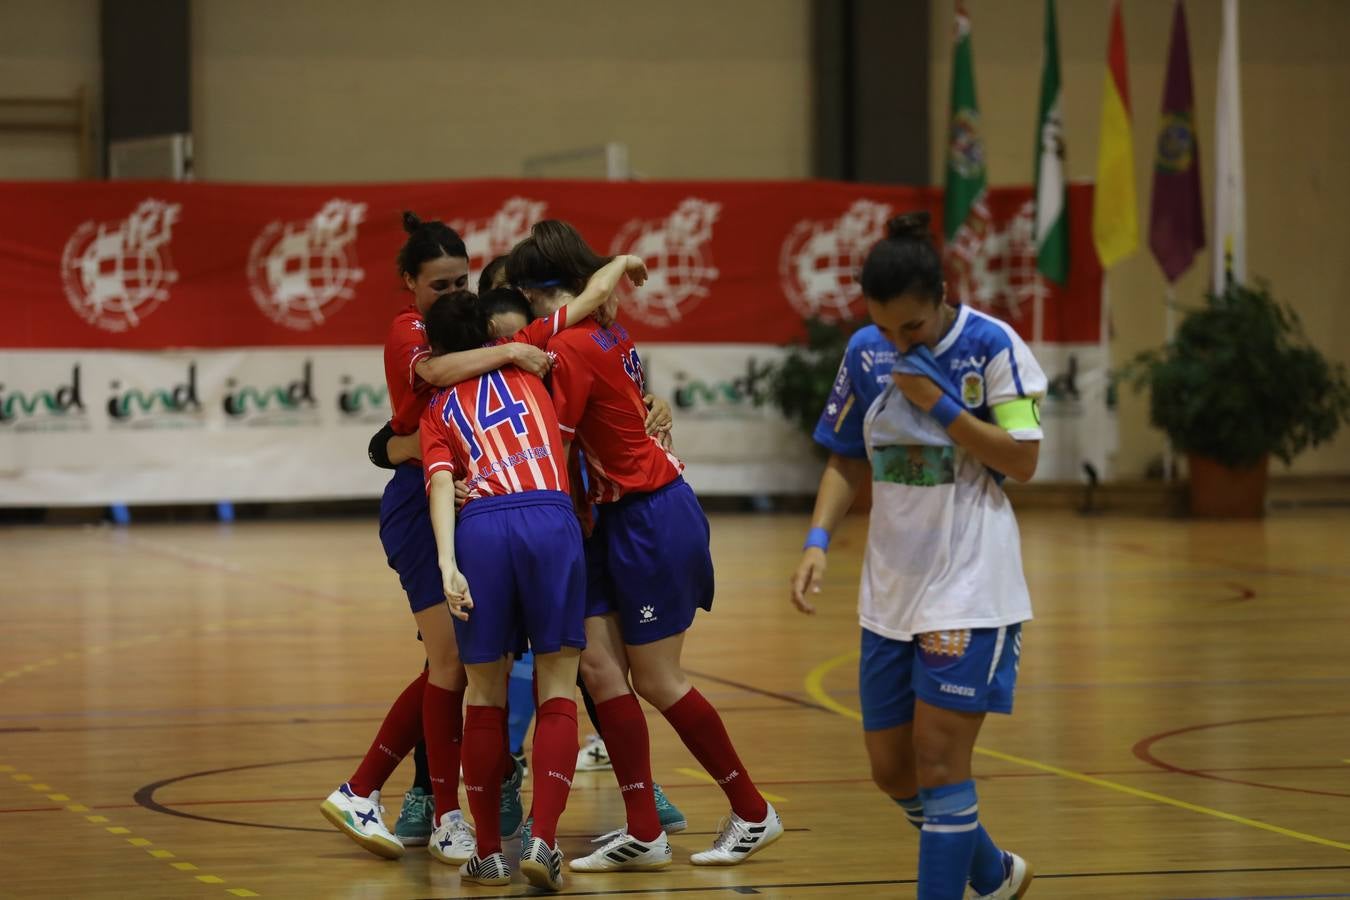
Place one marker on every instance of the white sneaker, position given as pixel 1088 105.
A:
pixel 594 757
pixel 622 851
pixel 453 841
pixel 359 818
pixel 493 870
pixel 739 840
pixel 541 864
pixel 1015 884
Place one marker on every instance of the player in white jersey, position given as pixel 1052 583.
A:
pixel 943 596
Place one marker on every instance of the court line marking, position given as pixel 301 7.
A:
pixel 815 687
pixel 125 833
pixel 704 776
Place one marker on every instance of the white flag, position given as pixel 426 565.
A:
pixel 1230 200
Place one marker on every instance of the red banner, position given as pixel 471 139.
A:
pixel 150 265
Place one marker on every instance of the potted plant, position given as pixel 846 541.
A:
pixel 1238 383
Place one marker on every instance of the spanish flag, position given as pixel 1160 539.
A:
pixel 1115 218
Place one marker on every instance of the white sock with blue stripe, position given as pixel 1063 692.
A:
pixel 947 844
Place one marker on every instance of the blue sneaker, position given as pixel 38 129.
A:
pixel 672 820
pixel 414 826
pixel 511 809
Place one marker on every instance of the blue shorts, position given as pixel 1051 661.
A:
pixel 652 563
pixel 972 670
pixel 521 554
pixel 409 543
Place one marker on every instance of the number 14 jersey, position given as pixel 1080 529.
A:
pixel 498 433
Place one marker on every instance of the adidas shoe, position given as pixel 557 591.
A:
pixel 1016 881
pixel 416 820
pixel 359 818
pixel 491 871
pixel 622 851
pixel 594 757
pixel 511 809
pixel 738 839
pixel 541 865
pixel 453 842
pixel 672 820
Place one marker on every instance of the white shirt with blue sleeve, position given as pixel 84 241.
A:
pixel 944 551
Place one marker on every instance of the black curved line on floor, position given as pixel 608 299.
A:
pixel 145 796
pixel 747 888
pixel 786 698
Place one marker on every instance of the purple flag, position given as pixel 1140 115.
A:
pixel 1176 231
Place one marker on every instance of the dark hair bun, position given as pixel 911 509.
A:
pixel 410 221
pixel 911 226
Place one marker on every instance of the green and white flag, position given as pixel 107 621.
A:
pixel 965 179
pixel 1052 211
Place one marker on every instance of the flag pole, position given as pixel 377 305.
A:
pixel 1170 331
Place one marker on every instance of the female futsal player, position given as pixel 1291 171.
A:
pixel 650 549
pixel 433 260
pixel 943 595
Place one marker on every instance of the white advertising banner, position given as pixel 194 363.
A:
pixel 89 428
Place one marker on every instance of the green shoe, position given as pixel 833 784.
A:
pixel 414 825
pixel 672 820
pixel 527 831
pixel 511 810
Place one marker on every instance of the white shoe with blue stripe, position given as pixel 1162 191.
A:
pixel 359 818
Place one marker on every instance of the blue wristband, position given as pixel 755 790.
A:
pixel 945 411
pixel 817 537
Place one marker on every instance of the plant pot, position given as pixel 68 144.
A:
pixel 1220 492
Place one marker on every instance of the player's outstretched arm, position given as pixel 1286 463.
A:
pixel 602 285
pixel 452 368
pixel 839 485
pixel 442 504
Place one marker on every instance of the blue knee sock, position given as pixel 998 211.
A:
pixel 947 844
pixel 520 694
pixel 986 868
pixel 913 808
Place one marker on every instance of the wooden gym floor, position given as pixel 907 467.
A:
pixel 175 701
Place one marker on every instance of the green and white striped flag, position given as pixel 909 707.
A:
pixel 1052 211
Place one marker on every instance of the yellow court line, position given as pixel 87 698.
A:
pixel 132 840
pixel 704 776
pixel 815 688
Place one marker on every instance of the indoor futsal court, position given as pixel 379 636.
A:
pixel 798 449
pixel 1181 728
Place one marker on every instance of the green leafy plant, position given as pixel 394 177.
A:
pixel 1241 380
pixel 802 381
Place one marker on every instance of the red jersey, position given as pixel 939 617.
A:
pixel 597 387
pixel 497 433
pixel 406 346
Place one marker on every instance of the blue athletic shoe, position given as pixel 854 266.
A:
pixel 414 825
pixel 672 820
pixel 511 809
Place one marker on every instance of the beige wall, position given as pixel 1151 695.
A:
pixel 48 48
pixel 1295 83
pixel 352 90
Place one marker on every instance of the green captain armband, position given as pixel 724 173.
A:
pixel 1021 414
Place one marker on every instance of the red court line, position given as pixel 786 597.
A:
pixel 1143 750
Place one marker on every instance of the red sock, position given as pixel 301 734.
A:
pixel 442 725
pixel 629 748
pixel 555 762
pixel 398 734
pixel 701 729
pixel 482 765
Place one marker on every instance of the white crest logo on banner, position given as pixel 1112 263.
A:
pixel 995 269
pixel 819 262
pixel 486 239
pixel 679 267
pixel 116 273
pixel 300 273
